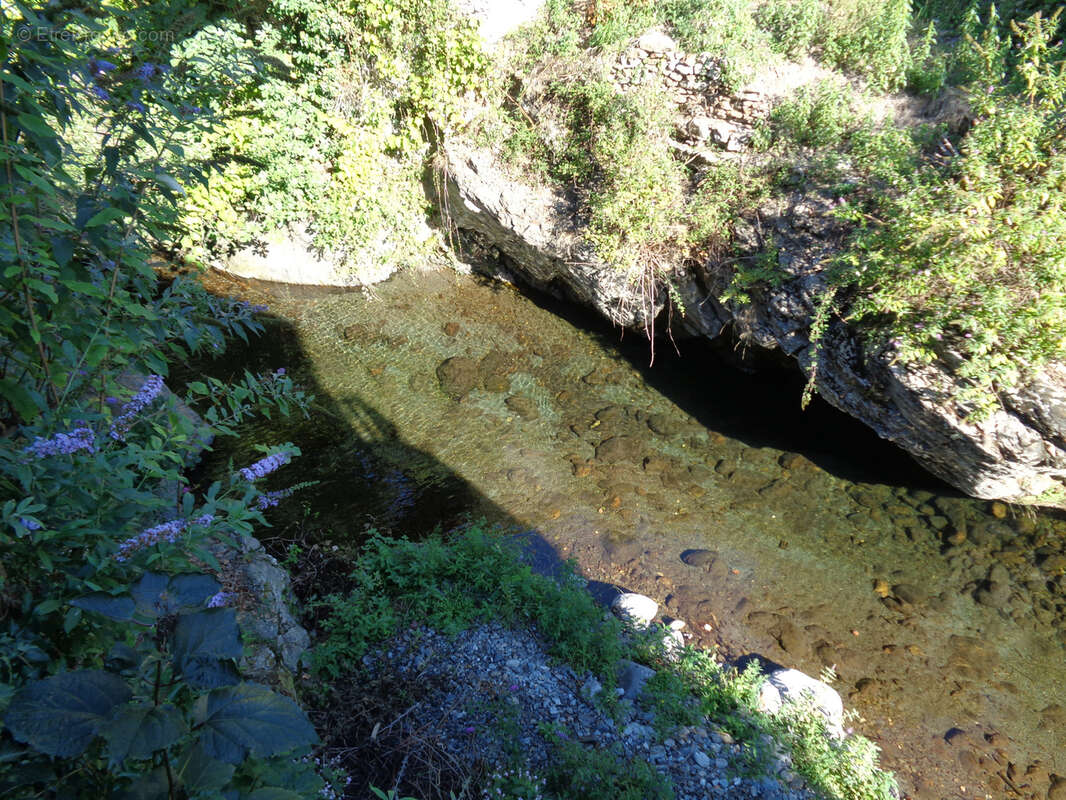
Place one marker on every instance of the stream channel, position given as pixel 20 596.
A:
pixel 943 616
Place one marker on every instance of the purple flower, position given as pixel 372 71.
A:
pixel 63 443
pixel 99 92
pixel 97 66
pixel 204 520
pixel 468 729
pixel 271 499
pixel 265 466
pixel 220 600
pixel 135 106
pixel 279 371
pixel 146 72
pixel 30 524
pixel 166 532
pixel 148 392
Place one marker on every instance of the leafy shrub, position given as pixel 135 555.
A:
pixel 795 26
pixel 816 116
pixel 964 263
pixel 92 490
pixel 169 715
pixel 450 585
pixel 870 37
pixel 601 774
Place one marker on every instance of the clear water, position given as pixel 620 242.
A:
pixel 832 548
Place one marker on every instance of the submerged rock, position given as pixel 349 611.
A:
pixel 457 376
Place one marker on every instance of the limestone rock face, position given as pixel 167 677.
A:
pixel 1017 454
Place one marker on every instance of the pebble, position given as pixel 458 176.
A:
pixel 490 667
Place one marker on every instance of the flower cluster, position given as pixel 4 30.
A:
pixel 271 499
pixel 63 443
pixel 30 524
pixel 220 599
pixel 166 532
pixel 98 67
pixel 265 466
pixel 148 392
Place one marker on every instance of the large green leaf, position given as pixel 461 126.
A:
pixel 151 786
pixel 202 644
pixel 204 672
pixel 61 714
pixel 250 718
pixel 198 772
pixel 138 731
pixel 192 589
pixel 148 592
pixel 117 608
pixel 212 632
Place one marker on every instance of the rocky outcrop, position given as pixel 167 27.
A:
pixel 1017 454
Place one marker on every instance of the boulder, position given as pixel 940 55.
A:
pixel 636 609
pixel 790 686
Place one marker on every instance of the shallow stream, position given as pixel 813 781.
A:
pixel 944 617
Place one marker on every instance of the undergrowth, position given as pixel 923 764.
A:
pixel 473 576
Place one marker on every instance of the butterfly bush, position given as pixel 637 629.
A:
pixel 264 466
pixel 148 392
pixel 77 439
pixel 165 532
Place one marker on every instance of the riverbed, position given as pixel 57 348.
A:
pixel 445 397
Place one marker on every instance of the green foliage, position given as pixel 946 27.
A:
pixel 795 26
pixel 450 585
pixel 606 774
pixel 838 768
pixel 92 490
pixel 870 37
pixel 169 712
pixel 965 262
pixel 817 115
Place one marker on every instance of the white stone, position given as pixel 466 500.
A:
pixel 655 41
pixel 791 686
pixel 637 609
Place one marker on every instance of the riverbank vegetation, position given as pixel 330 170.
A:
pixel 937 130
pixel 193 131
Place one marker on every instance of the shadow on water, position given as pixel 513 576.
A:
pixel 350 452
pixel 759 407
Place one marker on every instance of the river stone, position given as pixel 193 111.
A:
pixel 618 448
pixel 790 685
pixel 522 406
pixel 664 425
pixel 632 677
pixel 699 558
pixel 909 593
pixel 638 609
pixel 457 376
pixel 1054 564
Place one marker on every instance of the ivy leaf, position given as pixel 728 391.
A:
pixel 60 715
pixel 192 589
pixel 198 772
pixel 250 718
pixel 116 608
pixel 138 731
